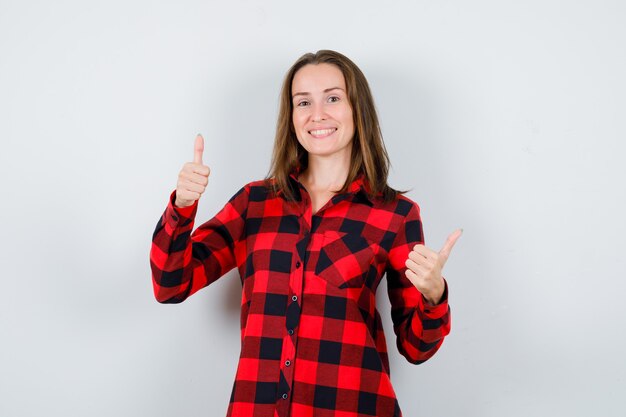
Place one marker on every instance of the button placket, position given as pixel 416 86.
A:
pixel 292 316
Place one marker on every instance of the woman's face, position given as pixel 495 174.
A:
pixel 322 115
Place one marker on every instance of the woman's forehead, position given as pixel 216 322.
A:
pixel 315 78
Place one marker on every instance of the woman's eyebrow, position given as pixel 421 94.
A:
pixel 325 91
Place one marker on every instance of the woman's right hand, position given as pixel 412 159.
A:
pixel 193 178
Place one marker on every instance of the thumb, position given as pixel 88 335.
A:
pixel 444 253
pixel 198 149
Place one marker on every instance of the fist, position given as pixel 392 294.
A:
pixel 193 178
pixel 424 267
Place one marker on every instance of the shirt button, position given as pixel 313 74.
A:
pixel 287 362
pixel 290 331
pixel 298 264
pixel 294 298
pixel 284 396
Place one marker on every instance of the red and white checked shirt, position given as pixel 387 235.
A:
pixel 312 342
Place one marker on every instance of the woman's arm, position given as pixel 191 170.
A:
pixel 183 262
pixel 419 326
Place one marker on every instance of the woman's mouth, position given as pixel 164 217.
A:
pixel 322 133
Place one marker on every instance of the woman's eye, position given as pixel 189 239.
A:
pixel 303 103
pixel 333 99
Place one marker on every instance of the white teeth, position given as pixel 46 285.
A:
pixel 322 132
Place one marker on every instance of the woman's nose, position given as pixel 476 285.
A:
pixel 318 113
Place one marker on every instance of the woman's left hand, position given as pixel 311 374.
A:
pixel 425 265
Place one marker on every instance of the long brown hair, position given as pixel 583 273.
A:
pixel 368 157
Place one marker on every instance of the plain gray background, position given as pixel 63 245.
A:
pixel 505 118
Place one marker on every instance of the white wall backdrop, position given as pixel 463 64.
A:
pixel 505 118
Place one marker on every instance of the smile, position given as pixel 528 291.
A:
pixel 322 132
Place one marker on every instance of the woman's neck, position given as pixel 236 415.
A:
pixel 323 174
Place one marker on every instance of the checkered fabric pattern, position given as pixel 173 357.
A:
pixel 312 342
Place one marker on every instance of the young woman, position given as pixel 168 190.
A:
pixel 312 242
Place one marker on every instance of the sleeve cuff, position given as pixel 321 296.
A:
pixel 439 310
pixel 174 215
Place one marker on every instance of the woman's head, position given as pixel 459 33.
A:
pixel 368 155
pixel 322 116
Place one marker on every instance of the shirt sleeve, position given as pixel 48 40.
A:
pixel 183 262
pixel 419 327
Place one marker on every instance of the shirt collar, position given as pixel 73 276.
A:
pixel 357 187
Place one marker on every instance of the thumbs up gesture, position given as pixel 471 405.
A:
pixel 193 178
pixel 425 265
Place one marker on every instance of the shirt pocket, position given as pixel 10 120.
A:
pixel 346 259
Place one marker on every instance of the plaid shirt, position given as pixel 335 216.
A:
pixel 312 342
